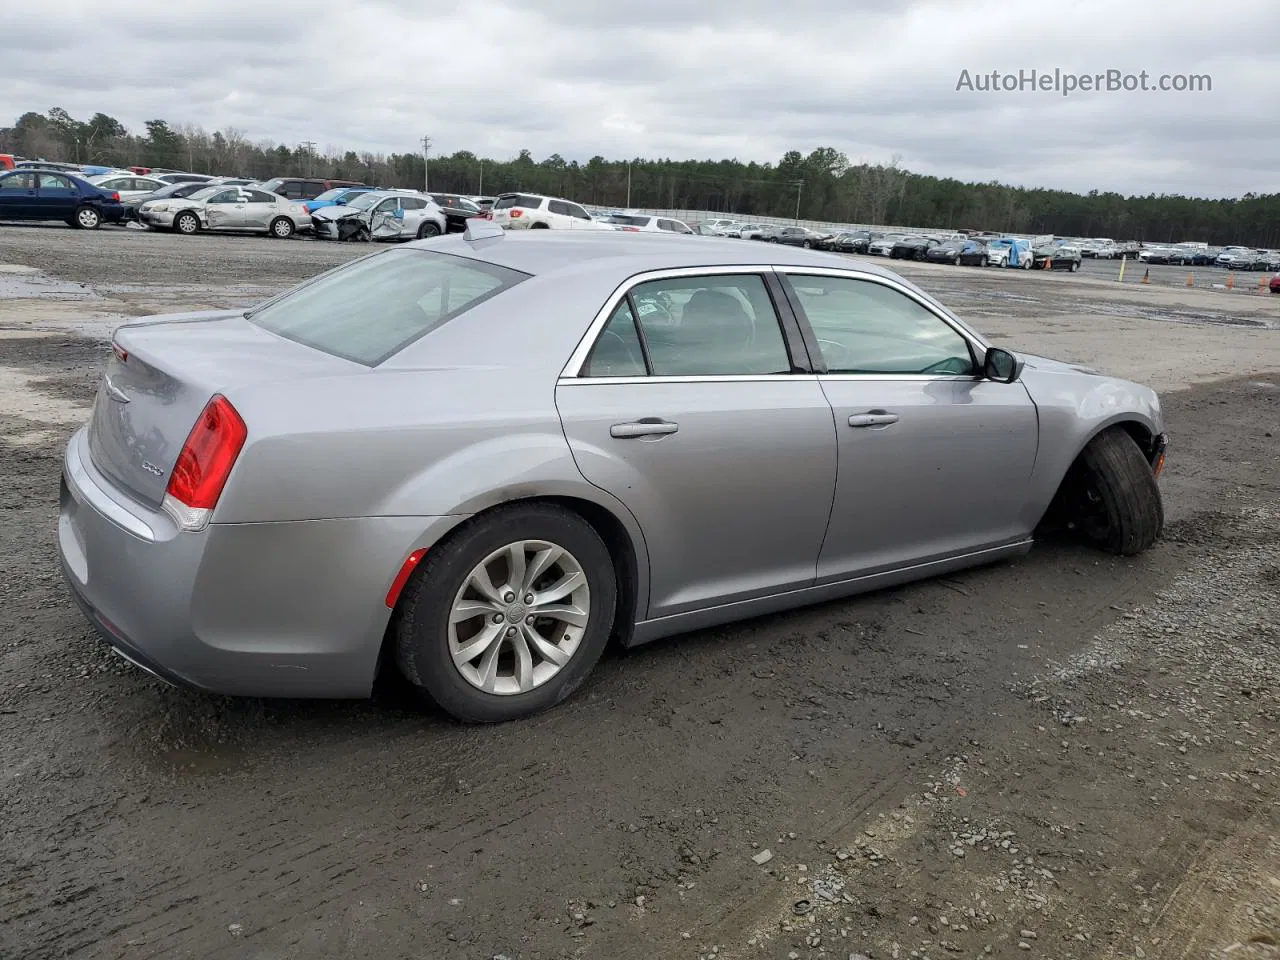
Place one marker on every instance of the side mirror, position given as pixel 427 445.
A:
pixel 1001 366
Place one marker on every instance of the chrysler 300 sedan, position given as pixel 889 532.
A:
pixel 477 458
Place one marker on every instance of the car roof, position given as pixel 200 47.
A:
pixel 543 252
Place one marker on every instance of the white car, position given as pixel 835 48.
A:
pixel 531 211
pixel 720 227
pixel 381 215
pixel 643 223
pixel 883 246
pixel 227 208
pixel 128 185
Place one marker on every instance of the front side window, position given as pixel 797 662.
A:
pixel 373 308
pixel 869 328
pixel 226 196
pixel 51 181
pixel 721 325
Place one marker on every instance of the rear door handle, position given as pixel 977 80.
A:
pixel 876 419
pixel 642 428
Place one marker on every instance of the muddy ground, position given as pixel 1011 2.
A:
pixel 1068 756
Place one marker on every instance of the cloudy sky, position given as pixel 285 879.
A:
pixel 686 78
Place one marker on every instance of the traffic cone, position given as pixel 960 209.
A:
pixel 1262 284
pixel 1146 275
pixel 1190 282
pixel 1231 280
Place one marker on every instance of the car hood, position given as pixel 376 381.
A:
pixel 1056 366
pixel 335 212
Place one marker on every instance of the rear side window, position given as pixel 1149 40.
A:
pixel 628 220
pixel 373 308
pixel 517 200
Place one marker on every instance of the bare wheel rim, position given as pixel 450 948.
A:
pixel 519 617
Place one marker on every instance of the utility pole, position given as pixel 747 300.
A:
pixel 799 187
pixel 311 146
pixel 628 184
pixel 481 191
pixel 426 152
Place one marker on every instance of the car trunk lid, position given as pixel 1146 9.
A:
pixel 160 376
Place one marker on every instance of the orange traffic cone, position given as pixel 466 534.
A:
pixel 1190 281
pixel 1146 275
pixel 1231 280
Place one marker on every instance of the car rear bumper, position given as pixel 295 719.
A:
pixel 291 609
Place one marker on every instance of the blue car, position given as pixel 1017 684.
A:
pixel 337 197
pixel 55 195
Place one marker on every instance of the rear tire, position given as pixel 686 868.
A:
pixel 428 229
pixel 186 223
pixel 282 228
pixel 427 636
pixel 87 218
pixel 539 226
pixel 1113 498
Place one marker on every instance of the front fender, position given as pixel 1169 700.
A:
pixel 1074 408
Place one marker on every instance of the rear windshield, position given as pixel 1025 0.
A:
pixel 517 200
pixel 373 308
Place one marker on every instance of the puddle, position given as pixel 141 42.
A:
pixel 1188 317
pixel 189 762
pixel 30 284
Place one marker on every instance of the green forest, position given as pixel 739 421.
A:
pixel 822 185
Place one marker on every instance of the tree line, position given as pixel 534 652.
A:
pixel 822 185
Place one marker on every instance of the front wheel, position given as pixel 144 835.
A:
pixel 87 218
pixel 428 229
pixel 807 244
pixel 1074 267
pixel 1114 499
pixel 282 228
pixel 186 223
pixel 509 616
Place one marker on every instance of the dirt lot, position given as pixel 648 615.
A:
pixel 1070 756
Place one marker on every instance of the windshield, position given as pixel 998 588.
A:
pixel 373 308
pixel 364 201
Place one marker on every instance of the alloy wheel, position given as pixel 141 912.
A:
pixel 519 617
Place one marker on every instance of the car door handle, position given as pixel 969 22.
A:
pixel 877 418
pixel 642 428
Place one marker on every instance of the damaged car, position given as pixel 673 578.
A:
pixel 381 215
pixel 235 209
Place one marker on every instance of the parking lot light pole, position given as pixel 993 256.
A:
pixel 628 184
pixel 426 177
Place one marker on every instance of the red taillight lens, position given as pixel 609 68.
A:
pixel 515 214
pixel 206 461
pixel 115 197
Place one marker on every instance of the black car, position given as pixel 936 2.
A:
pixel 35 194
pixel 855 241
pixel 949 251
pixel 176 190
pixel 457 210
pixel 1205 258
pixel 1054 257
pixel 974 254
pixel 798 237
pixel 912 248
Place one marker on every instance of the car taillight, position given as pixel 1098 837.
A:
pixel 516 213
pixel 121 353
pixel 204 464
pixel 115 197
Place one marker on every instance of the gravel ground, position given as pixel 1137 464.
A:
pixel 1069 756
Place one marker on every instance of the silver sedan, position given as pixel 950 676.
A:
pixel 480 457
pixel 219 207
